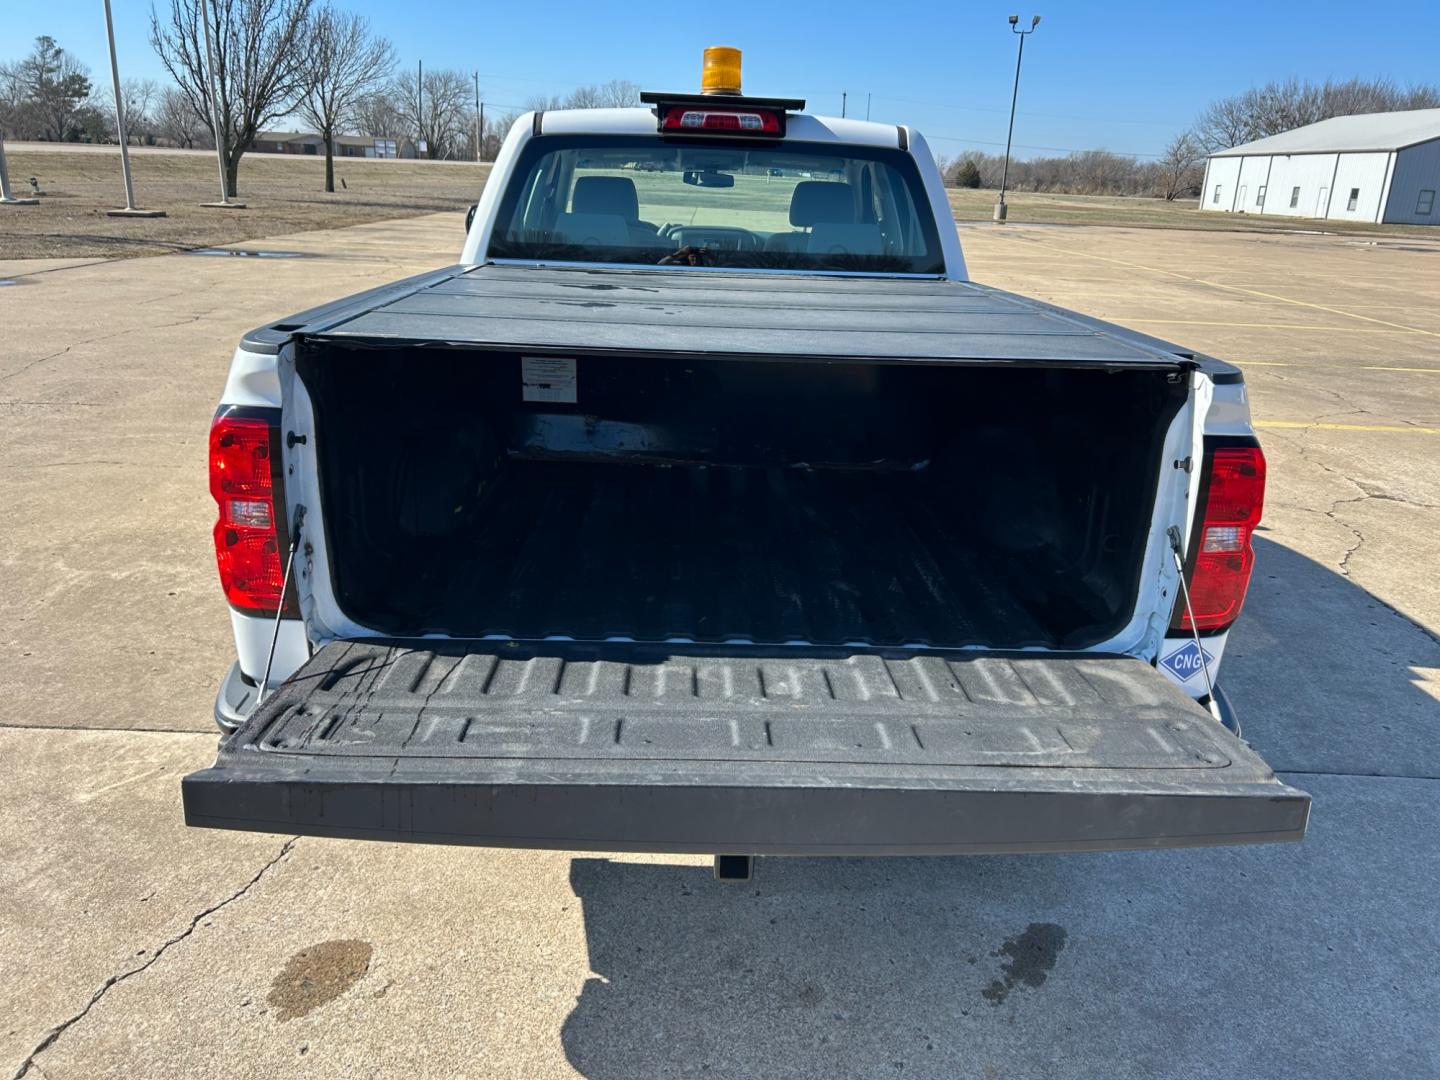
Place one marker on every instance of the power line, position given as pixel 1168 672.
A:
pixel 1051 149
pixel 1041 115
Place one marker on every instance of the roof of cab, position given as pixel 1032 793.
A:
pixel 800 127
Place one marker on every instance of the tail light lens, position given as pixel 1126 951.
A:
pixel 1234 498
pixel 245 481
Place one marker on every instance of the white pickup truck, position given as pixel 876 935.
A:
pixel 706 505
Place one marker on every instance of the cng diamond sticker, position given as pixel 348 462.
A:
pixel 1185 662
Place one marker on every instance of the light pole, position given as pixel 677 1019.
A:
pixel 1000 208
pixel 130 210
pixel 479 124
pixel 6 197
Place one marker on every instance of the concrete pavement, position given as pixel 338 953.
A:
pixel 134 946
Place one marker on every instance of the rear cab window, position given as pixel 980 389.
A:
pixel 790 206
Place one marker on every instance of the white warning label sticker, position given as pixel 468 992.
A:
pixel 547 378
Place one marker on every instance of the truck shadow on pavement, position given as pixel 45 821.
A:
pixel 1324 675
pixel 1140 963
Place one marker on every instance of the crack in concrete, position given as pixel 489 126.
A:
pixel 5 725
pixel 37 363
pixel 1357 775
pixel 50 1039
pixel 1367 492
pixel 105 337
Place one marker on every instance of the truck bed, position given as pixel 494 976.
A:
pixel 596 551
pixel 544 310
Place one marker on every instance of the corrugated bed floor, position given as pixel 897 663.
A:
pixel 767 555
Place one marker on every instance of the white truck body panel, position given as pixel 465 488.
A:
pixel 854 743
pixel 268 380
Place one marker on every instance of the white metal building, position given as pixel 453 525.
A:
pixel 1373 167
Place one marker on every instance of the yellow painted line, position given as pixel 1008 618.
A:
pixel 1256 325
pixel 1305 425
pixel 1247 292
pixel 1336 367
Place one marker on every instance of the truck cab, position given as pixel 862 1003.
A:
pixel 707 505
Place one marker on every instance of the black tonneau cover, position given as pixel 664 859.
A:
pixel 678 312
pixel 630 747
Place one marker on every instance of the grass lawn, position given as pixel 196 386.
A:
pixel 282 193
pixel 1038 208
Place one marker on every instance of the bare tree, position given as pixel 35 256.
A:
pixel 12 100
pixel 1179 166
pixel 51 89
pixel 377 115
pixel 176 120
pixel 584 97
pixel 139 97
pixel 619 94
pixel 541 103
pixel 1226 123
pixel 262 54
pixel 496 128
pixel 347 62
pixel 440 117
pixel 1291 103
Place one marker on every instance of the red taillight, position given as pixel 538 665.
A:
pixel 721 121
pixel 248 547
pixel 1223 559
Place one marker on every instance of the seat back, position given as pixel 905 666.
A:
pixel 591 230
pixel 814 201
pixel 833 238
pixel 606 195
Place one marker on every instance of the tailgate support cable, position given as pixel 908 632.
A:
pixel 280 611
pixel 1174 535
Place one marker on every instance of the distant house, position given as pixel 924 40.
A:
pixel 351 146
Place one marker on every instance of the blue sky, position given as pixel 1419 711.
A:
pixel 1123 75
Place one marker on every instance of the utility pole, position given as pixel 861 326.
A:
pixel 867 106
pixel 1001 211
pixel 224 203
pixel 420 143
pixel 129 210
pixel 479 122
pixel 844 94
pixel 7 199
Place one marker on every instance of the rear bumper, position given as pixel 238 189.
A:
pixel 234 701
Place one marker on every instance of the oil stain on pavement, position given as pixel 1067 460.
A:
pixel 317 975
pixel 1028 960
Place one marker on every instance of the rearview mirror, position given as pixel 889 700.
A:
pixel 470 215
pixel 709 178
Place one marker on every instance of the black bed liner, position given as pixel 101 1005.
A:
pixel 684 748
pixel 577 310
pixel 766 555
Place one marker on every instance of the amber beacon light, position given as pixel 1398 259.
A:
pixel 721 73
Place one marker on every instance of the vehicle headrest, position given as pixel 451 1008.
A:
pixel 821 200
pixel 606 195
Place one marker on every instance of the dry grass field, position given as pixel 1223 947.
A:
pixel 1039 208
pixel 283 195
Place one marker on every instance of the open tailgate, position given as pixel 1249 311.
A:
pixel 725 750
